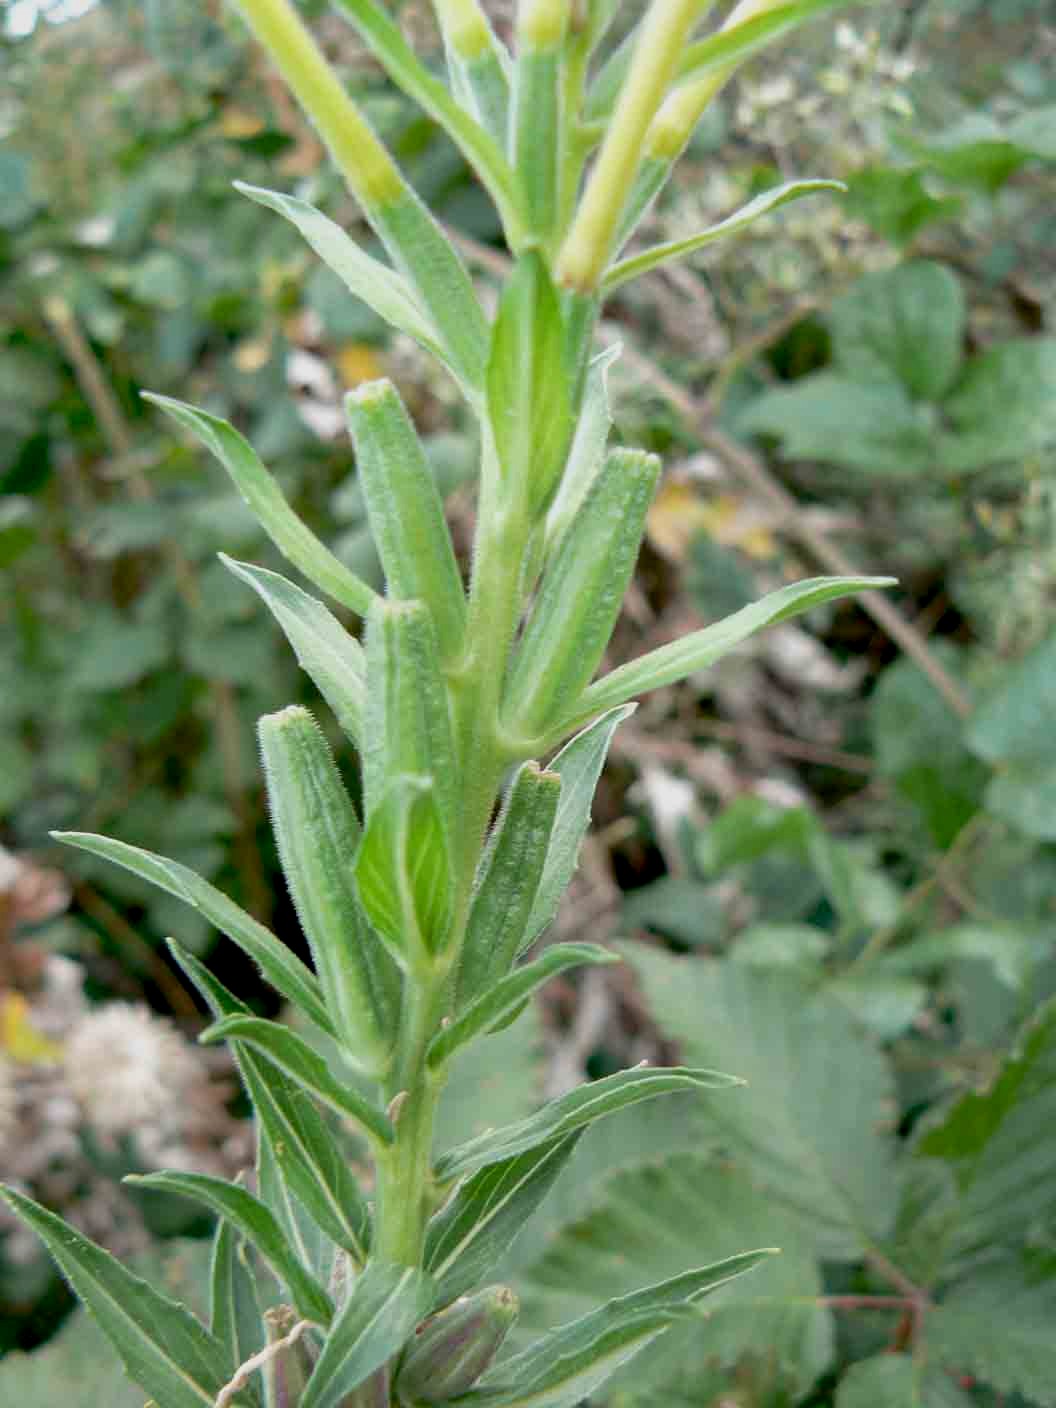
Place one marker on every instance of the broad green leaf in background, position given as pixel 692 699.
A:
pixel 998 1326
pixel 904 325
pixel 163 1347
pixel 383 1307
pixel 809 1127
pixel 647 1224
pixel 1014 724
pixel 114 653
pixel 895 201
pixel 898 1381
pixel 998 1143
pixel 497 1079
pixel 1002 407
pixel 576 1110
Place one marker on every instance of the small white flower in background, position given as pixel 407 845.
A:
pixel 128 1068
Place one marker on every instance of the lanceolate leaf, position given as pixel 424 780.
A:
pixel 308 1157
pixel 380 287
pixel 578 765
pixel 304 1066
pixel 403 871
pixel 571 1363
pixel 294 539
pixel 475 1229
pixel 586 454
pixel 494 1006
pixel 256 1223
pixel 325 651
pixel 702 648
pixel 234 1308
pixel 383 1307
pixel 762 205
pixel 163 1347
pixel 576 1110
pixel 283 969
pixel 812 1139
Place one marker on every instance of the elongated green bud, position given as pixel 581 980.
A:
pixel 317 833
pixel 581 593
pixel 508 881
pixel 408 725
pixel 451 1350
pixel 405 511
pixel 287 1371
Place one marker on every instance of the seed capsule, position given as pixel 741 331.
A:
pixel 452 1349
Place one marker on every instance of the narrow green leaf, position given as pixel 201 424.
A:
pixel 529 403
pixel 282 969
pixel 234 1309
pixel 294 1057
pixel 297 543
pixel 325 651
pixel 661 254
pixel 574 1111
pixel 382 1309
pixel 579 766
pixel 484 81
pixel 403 871
pixel 476 1227
pixel 580 597
pixel 571 1363
pixel 317 832
pixel 508 996
pixel 256 1223
pixel 162 1346
pixel 409 74
pixel 308 1157
pixel 586 454
pixel 408 718
pixel 702 648
pixel 378 286
pixel 405 511
pixel 508 880
pixel 430 263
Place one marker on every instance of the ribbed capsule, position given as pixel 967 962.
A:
pixel 317 832
pixel 453 1348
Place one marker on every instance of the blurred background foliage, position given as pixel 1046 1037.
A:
pixel 865 807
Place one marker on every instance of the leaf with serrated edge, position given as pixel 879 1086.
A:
pixel 474 1230
pixel 256 1223
pixel 294 539
pixel 374 283
pixel 163 1347
pixel 762 205
pixel 282 969
pixel 579 766
pixel 383 1307
pixel 575 1110
pixel 308 1157
pixel 698 650
pixel 569 1364
pixel 296 1058
pixel 325 651
pixel 493 1006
